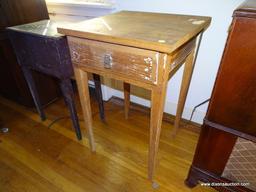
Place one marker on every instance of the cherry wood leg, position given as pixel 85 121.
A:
pixel 31 84
pixel 67 91
pixel 127 88
pixel 82 83
pixel 98 90
pixel 186 79
pixel 157 106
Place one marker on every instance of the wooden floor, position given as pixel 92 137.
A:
pixel 34 157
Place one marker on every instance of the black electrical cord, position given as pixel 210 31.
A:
pixel 194 109
pixel 65 117
pixel 56 120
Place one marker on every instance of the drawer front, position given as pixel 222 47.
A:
pixel 130 62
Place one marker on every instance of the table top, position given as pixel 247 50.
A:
pixel 154 31
pixel 43 28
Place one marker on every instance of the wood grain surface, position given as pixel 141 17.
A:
pixel 134 63
pixel 34 158
pixel 154 31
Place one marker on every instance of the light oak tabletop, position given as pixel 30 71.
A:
pixel 154 31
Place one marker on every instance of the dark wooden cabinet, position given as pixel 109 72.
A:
pixel 226 151
pixel 12 81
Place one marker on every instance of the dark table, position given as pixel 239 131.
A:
pixel 38 46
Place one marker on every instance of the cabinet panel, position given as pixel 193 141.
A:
pixel 226 148
pixel 16 12
pixel 233 102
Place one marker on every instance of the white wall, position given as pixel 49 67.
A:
pixel 73 12
pixel 209 55
pixel 210 51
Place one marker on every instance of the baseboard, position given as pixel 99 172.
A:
pixel 108 97
pixel 192 126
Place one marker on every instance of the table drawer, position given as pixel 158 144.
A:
pixel 136 63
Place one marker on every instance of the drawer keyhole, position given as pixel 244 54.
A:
pixel 108 61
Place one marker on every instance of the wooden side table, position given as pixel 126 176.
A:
pixel 144 49
pixel 40 47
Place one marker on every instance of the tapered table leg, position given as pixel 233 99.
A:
pixel 127 89
pixel 82 83
pixel 97 82
pixel 157 106
pixel 186 79
pixel 31 84
pixel 67 91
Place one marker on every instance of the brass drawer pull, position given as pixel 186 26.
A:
pixel 108 61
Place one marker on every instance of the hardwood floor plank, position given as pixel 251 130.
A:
pixel 18 177
pixel 54 160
